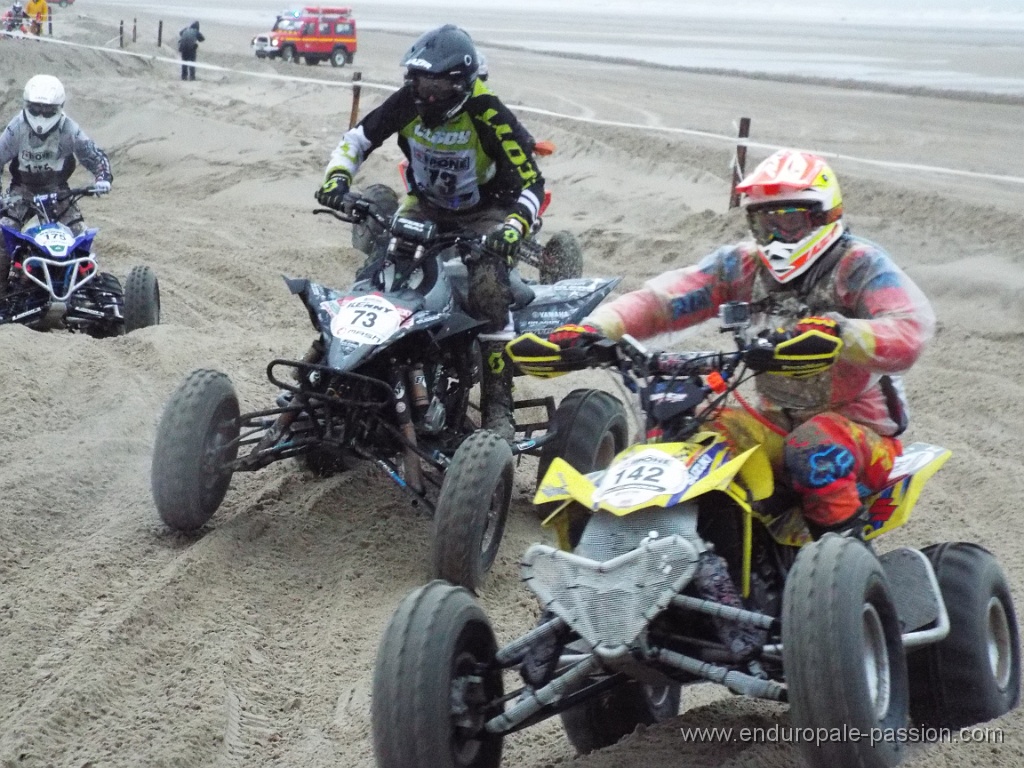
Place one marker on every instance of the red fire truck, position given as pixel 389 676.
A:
pixel 312 33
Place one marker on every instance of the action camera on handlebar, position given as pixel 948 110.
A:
pixel 734 316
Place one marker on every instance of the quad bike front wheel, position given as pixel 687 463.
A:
pixel 196 440
pixel 141 299
pixel 974 674
pixel 842 653
pixel 472 509
pixel 433 681
pixel 561 258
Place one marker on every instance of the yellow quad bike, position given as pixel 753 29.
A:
pixel 680 562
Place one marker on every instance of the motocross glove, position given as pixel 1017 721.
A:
pixel 812 347
pixel 332 193
pixel 504 241
pixel 556 355
pixel 567 336
pixel 101 186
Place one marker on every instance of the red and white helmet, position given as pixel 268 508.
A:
pixel 44 103
pixel 795 209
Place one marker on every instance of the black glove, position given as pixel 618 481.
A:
pixel 504 242
pixel 332 193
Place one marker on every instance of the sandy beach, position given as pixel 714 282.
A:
pixel 123 644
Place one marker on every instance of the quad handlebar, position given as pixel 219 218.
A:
pixel 415 232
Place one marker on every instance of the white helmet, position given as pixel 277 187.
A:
pixel 795 211
pixel 44 103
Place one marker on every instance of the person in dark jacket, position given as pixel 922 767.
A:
pixel 188 43
pixel 471 166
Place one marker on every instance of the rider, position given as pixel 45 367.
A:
pixel 467 170
pixel 16 15
pixel 830 420
pixel 42 144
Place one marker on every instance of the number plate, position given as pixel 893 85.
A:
pixel 641 477
pixel 54 241
pixel 365 320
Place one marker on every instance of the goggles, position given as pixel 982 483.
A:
pixel 42 110
pixel 785 224
pixel 433 88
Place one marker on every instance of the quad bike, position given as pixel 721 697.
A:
pixel 55 281
pixel 387 380
pixel 560 258
pixel 11 22
pixel 680 562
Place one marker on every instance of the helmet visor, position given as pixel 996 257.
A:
pixel 783 224
pixel 42 110
pixel 435 88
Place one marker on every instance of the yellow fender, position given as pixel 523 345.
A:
pixel 563 483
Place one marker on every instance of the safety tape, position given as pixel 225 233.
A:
pixel 735 141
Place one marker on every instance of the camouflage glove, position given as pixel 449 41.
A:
pixel 332 193
pixel 504 241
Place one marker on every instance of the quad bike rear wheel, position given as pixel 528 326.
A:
pixel 603 720
pixel 472 509
pixel 195 441
pixel 141 299
pixel 367 236
pixel 561 258
pixel 433 681
pixel 974 674
pixel 842 652
pixel 5 271
pixel 591 429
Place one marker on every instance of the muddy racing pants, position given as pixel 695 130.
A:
pixel 829 461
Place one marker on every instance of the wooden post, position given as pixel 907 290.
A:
pixel 135 30
pixel 120 34
pixel 739 163
pixel 159 33
pixel 356 90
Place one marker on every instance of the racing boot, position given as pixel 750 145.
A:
pixel 714 583
pixel 852 527
pixel 496 385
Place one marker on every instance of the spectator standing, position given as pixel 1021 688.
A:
pixel 188 44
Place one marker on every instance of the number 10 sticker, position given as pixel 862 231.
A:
pixel 366 320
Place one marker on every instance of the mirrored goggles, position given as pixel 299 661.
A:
pixel 435 87
pixel 783 224
pixel 43 110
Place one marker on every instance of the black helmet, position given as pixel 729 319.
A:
pixel 441 68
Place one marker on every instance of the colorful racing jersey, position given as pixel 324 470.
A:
pixel 45 163
pixel 884 320
pixel 478 157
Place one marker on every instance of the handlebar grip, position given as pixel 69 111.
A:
pixel 687 363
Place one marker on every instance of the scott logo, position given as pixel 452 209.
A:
pixel 445 138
